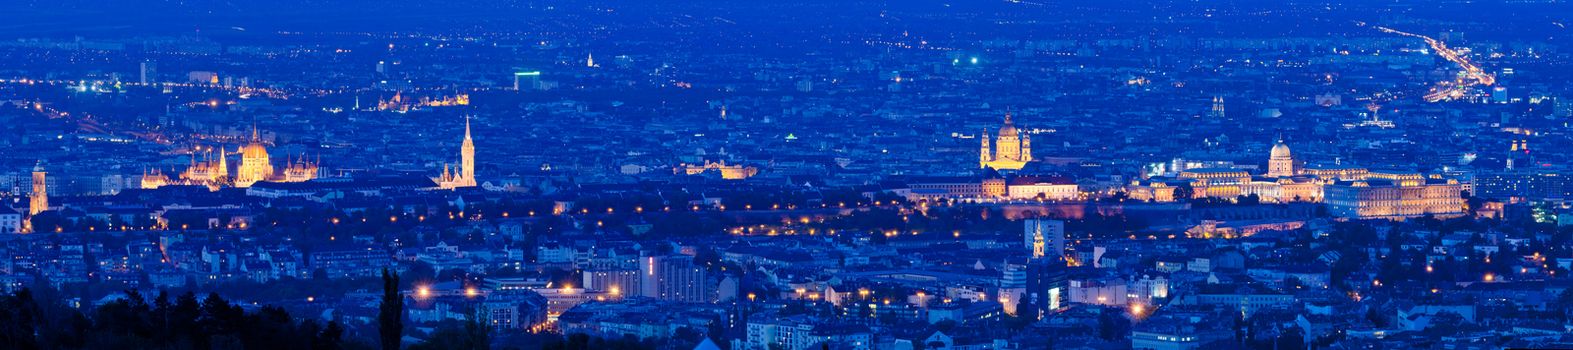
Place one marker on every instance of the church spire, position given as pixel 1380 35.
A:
pixel 223 164
pixel 462 174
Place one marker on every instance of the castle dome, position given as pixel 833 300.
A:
pixel 1280 150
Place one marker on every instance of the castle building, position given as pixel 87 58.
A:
pixel 1395 196
pixel 464 176
pixel 1286 180
pixel 1011 150
pixel 1280 162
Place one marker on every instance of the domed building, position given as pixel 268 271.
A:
pixel 1012 150
pixel 254 163
pixel 1280 163
pixel 210 168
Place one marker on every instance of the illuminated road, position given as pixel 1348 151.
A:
pixel 1471 75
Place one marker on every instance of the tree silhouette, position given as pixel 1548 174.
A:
pixel 390 316
pixel 132 323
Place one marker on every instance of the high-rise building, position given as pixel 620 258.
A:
pixel 1012 150
pixel 464 176
pixel 614 281
pixel 1526 184
pixel 675 278
pixel 527 80
pixel 1047 282
pixel 148 73
pixel 1045 237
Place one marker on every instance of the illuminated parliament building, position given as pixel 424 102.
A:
pixel 213 170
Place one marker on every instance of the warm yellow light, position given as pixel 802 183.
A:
pixel 471 292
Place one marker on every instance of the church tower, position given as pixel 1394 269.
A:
pixel 1217 111
pixel 467 156
pixel 986 154
pixel 39 200
pixel 1037 245
pixel 223 164
pixel 462 175
pixel 1026 148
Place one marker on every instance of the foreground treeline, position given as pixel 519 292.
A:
pixel 183 322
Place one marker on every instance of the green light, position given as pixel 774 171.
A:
pixel 534 73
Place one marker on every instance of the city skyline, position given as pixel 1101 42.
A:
pixel 797 175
